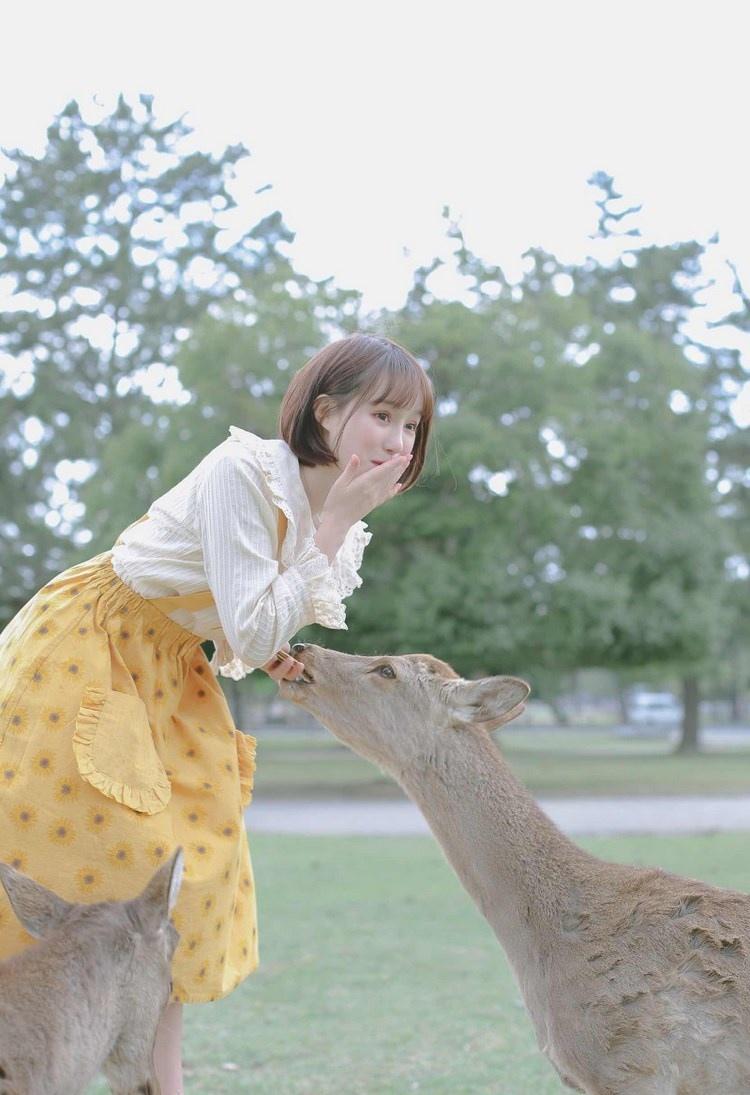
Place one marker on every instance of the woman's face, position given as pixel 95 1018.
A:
pixel 375 432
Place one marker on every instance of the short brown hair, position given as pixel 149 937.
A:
pixel 359 367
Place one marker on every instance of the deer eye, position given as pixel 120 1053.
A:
pixel 385 671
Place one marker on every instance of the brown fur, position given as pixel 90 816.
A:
pixel 637 981
pixel 89 996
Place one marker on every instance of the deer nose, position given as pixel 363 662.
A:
pixel 298 648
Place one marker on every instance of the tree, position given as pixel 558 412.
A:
pixel 569 522
pixel 114 244
pixel 728 460
pixel 664 286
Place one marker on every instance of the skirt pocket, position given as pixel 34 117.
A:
pixel 115 752
pixel 246 744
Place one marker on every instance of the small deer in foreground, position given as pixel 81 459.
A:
pixel 637 981
pixel 89 996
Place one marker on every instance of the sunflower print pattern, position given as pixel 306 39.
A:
pixel 117 745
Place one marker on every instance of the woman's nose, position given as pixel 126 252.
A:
pixel 396 443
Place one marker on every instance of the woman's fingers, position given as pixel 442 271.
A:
pixel 376 484
pixel 357 492
pixel 388 471
pixel 283 667
pixel 394 466
pixel 386 478
pixel 350 471
pixel 273 663
pixel 294 671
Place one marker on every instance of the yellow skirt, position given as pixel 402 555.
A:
pixel 116 745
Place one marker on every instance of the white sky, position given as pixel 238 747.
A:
pixel 368 116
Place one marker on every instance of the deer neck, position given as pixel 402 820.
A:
pixel 523 873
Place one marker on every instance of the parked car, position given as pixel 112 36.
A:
pixel 654 709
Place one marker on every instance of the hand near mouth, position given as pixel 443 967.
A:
pixel 358 491
pixel 355 494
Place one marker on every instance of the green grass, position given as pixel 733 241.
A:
pixel 378 975
pixel 550 762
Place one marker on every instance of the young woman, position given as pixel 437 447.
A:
pixel 116 742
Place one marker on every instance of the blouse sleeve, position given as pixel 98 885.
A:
pixel 259 608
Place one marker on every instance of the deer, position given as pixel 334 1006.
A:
pixel 637 981
pixel 88 997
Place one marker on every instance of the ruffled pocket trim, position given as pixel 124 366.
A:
pixel 246 747
pixel 115 752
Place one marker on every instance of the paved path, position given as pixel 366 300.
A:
pixel 577 816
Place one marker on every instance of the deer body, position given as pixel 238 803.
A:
pixel 89 995
pixel 624 971
pixel 637 981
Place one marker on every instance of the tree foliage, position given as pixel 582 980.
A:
pixel 570 520
pixel 570 514
pixel 113 244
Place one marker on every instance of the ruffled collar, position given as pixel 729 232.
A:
pixel 280 469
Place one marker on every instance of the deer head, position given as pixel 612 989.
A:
pixel 393 710
pixel 140 925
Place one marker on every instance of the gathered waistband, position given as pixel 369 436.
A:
pixel 115 598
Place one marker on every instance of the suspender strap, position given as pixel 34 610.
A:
pixel 281 527
pixel 188 602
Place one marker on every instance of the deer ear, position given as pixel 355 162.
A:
pixel 175 878
pixel 39 909
pixel 158 899
pixel 489 702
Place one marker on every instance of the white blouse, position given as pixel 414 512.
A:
pixel 218 529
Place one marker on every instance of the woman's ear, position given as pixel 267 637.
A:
pixel 323 406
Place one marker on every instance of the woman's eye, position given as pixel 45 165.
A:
pixel 382 414
pixel 413 426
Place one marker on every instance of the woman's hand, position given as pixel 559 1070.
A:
pixel 355 494
pixel 282 666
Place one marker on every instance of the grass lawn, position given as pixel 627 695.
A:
pixel 550 762
pixel 378 974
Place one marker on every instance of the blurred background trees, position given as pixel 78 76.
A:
pixel 586 499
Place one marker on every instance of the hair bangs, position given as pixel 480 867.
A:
pixel 400 383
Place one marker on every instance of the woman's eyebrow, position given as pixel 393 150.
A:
pixel 394 406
